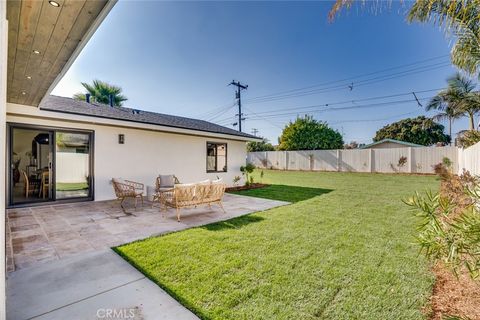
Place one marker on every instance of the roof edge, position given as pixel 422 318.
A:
pixel 85 39
pixel 409 144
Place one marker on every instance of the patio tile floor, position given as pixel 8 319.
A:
pixel 52 232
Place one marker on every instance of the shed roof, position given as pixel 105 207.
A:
pixel 407 144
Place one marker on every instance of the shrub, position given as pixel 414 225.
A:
pixel 469 138
pixel 236 179
pixel 450 222
pixel 246 171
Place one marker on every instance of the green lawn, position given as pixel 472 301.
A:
pixel 64 186
pixel 343 250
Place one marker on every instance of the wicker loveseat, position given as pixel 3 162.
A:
pixel 193 195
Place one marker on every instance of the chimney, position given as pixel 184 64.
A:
pixel 87 97
pixel 110 100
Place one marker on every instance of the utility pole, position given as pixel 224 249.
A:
pixel 254 131
pixel 238 96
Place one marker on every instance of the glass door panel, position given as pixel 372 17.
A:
pixel 72 165
pixel 30 165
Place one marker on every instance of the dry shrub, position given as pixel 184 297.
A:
pixel 455 188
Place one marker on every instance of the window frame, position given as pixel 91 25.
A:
pixel 216 156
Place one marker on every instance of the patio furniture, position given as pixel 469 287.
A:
pixel 44 183
pixel 128 189
pixel 193 195
pixel 163 183
pixel 30 184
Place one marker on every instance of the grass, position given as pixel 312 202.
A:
pixel 284 192
pixel 343 254
pixel 62 186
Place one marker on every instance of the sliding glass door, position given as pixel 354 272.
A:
pixel 48 164
pixel 30 165
pixel 72 165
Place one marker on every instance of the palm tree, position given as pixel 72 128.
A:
pixel 457 100
pixel 446 112
pixel 101 91
pixel 460 18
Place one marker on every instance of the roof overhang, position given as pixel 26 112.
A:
pixel 44 41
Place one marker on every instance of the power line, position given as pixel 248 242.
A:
pixel 297 108
pixel 221 113
pixel 381 104
pixel 351 78
pixel 358 84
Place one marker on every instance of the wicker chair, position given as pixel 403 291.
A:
pixel 192 195
pixel 159 188
pixel 128 189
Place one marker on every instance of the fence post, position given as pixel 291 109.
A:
pixel 286 160
pixel 339 160
pixel 410 159
pixel 370 158
pixel 265 160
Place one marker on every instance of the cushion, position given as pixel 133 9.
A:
pixel 205 182
pixel 218 181
pixel 167 181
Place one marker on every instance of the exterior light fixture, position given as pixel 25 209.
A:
pixel 29 77
pixel 36 51
pixel 24 93
pixel 121 138
pixel 54 3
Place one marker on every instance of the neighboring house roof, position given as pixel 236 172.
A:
pixel 72 106
pixel 407 144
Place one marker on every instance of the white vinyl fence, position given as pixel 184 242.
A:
pixel 407 160
pixel 469 159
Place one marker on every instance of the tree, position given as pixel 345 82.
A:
pixel 101 92
pixel 460 18
pixel 309 134
pixel 263 145
pixel 420 130
pixel 457 100
pixel 351 145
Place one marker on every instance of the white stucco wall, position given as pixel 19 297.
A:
pixel 3 103
pixel 146 153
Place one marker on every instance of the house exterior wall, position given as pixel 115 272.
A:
pixel 3 110
pixel 145 154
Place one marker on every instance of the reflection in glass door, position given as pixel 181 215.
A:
pixel 30 165
pixel 72 165
pixel 49 164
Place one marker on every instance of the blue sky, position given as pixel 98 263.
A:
pixel 178 58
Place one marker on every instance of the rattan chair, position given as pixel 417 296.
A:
pixel 128 189
pixel 159 189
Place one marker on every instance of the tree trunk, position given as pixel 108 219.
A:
pixel 450 129
pixel 472 121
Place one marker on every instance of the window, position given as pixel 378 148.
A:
pixel 216 157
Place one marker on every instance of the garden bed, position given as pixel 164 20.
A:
pixel 245 187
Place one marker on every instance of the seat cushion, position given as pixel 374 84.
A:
pixel 167 181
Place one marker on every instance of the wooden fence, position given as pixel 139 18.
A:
pixel 407 160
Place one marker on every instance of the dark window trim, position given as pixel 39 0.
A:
pixel 216 156
pixel 54 129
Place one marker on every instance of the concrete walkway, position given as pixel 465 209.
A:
pixel 99 284
pixel 86 287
